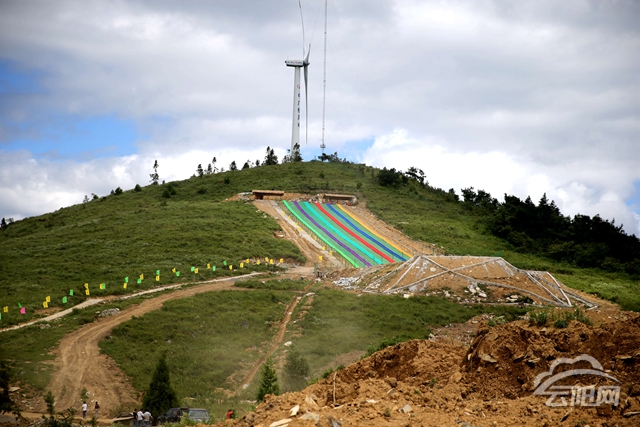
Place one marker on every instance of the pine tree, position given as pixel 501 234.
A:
pixel 199 171
pixel 154 176
pixel 270 158
pixel 295 155
pixel 269 381
pixel 233 166
pixel 160 396
pixel 296 370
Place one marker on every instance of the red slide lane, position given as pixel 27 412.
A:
pixel 367 244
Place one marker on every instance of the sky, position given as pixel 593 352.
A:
pixel 522 98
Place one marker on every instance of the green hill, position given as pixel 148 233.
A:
pixel 189 224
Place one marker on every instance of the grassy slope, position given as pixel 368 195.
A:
pixel 103 241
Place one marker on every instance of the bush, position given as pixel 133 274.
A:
pixel 538 318
pixel 118 191
pixel 137 188
pixel 296 370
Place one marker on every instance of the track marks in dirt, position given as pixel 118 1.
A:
pixel 79 365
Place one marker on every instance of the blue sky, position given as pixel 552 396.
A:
pixel 523 98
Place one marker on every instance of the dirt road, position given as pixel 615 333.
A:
pixel 79 364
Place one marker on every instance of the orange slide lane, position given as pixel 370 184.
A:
pixel 367 244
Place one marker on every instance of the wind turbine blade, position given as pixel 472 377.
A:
pixel 302 20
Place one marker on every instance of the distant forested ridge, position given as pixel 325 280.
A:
pixel 542 229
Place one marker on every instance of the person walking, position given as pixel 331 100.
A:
pixel 135 417
pixel 140 417
pixel 84 409
pixel 97 408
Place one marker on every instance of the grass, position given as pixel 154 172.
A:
pixel 211 341
pixel 27 350
pixel 135 233
pixel 338 323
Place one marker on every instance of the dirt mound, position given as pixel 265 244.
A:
pixel 434 383
pixel 504 361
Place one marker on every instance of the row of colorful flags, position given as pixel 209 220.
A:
pixel 103 286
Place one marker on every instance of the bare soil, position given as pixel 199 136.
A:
pixel 434 383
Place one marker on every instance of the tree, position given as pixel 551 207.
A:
pixel 118 191
pixel 199 171
pixel 246 165
pixel 3 223
pixel 269 381
pixel 94 196
pixel 215 169
pixel 209 170
pixel 160 396
pixel 86 199
pixel 295 155
pixel 154 176
pixel 6 404
pixel 270 158
pixel 137 188
pixel 233 166
pixel 296 370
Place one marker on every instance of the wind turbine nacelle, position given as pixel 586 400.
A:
pixel 294 63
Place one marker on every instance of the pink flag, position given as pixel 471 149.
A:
pixel 23 310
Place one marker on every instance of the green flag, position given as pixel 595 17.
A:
pixel 178 273
pixel 139 281
pixel 64 300
pixel 193 269
pixel 71 292
pixel 157 272
pixel 224 262
pixel 19 305
pixel 213 268
pixel 126 279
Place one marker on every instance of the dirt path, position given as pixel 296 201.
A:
pixel 277 340
pixel 79 364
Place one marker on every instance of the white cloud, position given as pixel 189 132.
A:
pixel 515 97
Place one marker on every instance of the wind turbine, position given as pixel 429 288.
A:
pixel 297 64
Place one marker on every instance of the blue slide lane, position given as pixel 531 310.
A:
pixel 329 243
pixel 295 202
pixel 346 239
pixel 368 236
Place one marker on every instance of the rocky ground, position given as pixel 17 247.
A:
pixel 490 383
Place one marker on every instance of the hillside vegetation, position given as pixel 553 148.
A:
pixel 189 224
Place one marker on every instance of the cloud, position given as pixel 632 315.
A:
pixel 515 97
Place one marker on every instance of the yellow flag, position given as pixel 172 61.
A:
pixel 142 276
pixel 230 267
pixel 157 278
pixel 86 291
pixel 320 257
pixel 86 286
pixel 323 248
pixel 271 261
pixel 196 271
pixel 45 304
pixel 5 308
pixel 242 265
pixel 173 270
pixel 258 262
pixel 208 265
pixel 124 286
pixel 48 298
pixel 247 261
pixel 281 260
pixel 266 259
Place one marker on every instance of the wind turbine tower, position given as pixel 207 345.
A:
pixel 295 125
pixel 297 64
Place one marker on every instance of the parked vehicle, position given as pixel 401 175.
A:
pixel 173 415
pixel 199 414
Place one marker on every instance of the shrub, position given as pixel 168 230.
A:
pixel 118 191
pixel 538 318
pixel 137 188
pixel 560 323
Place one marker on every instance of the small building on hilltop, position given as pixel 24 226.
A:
pixel 267 194
pixel 346 199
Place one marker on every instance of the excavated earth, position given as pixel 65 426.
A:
pixel 490 383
